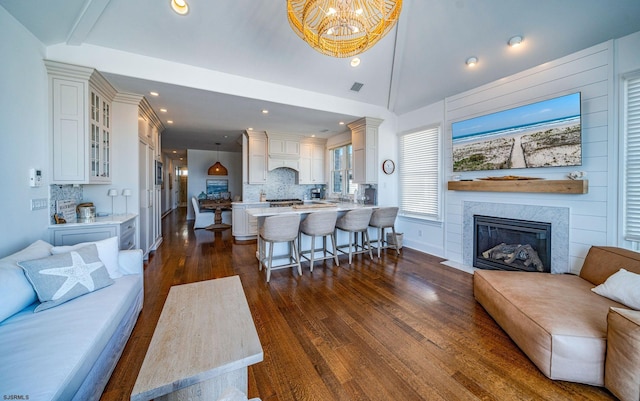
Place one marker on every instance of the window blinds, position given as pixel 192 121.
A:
pixel 419 174
pixel 632 159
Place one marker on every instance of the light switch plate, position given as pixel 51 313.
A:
pixel 38 204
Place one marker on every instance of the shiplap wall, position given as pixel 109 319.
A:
pixel 592 215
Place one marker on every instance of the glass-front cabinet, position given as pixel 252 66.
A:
pixel 100 132
pixel 80 104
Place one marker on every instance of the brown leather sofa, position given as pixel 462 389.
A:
pixel 569 332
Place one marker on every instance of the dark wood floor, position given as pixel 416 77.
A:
pixel 404 328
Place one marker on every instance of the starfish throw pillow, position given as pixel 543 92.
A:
pixel 60 278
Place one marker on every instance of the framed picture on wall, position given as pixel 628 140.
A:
pixel 216 186
pixel 159 173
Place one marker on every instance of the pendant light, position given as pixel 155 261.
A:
pixel 217 168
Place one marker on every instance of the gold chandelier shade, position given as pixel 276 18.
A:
pixel 342 28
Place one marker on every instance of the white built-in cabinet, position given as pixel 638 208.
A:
pixel 284 146
pixel 122 226
pixel 80 112
pixel 257 157
pixel 244 227
pixel 312 156
pixel 364 141
pixel 284 151
pixel 149 128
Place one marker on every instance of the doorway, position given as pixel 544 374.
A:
pixel 183 178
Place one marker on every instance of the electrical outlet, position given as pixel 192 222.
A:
pixel 38 204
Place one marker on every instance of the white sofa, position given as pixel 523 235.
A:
pixel 67 352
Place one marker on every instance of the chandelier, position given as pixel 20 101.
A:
pixel 342 28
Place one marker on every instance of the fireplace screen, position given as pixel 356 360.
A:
pixel 510 244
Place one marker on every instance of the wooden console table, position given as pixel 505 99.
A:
pixel 204 341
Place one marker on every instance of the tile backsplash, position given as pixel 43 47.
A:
pixel 63 192
pixel 281 184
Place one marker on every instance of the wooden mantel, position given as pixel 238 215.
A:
pixel 546 186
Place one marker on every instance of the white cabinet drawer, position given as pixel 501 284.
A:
pixel 128 241
pixel 74 236
pixel 101 229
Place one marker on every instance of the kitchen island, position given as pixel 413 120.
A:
pixel 282 249
pixel 311 207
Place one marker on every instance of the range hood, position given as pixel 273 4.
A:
pixel 274 163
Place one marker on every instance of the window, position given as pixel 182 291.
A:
pixel 419 174
pixel 632 157
pixel 342 171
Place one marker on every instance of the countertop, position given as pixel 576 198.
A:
pixel 100 221
pixel 272 211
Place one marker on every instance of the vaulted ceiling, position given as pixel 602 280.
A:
pixel 419 62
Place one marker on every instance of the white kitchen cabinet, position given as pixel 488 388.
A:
pixel 80 106
pixel 243 226
pixel 283 146
pixel 364 140
pixel 121 226
pixel 149 127
pixel 312 155
pixel 257 157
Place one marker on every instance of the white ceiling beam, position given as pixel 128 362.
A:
pixel 86 20
pixel 398 54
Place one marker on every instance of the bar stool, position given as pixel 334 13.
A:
pixel 319 224
pixel 354 222
pixel 280 228
pixel 384 217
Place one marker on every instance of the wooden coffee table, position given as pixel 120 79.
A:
pixel 204 341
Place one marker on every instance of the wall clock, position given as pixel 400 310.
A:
pixel 388 166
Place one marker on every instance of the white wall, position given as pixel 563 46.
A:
pixel 24 133
pixel 594 217
pixel 199 162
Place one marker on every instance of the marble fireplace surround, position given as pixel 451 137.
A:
pixel 557 216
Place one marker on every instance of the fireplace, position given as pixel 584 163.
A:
pixel 511 244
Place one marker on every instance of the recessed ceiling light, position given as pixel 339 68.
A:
pixel 163 110
pixel 472 61
pixel 265 111
pixel 169 121
pixel 226 136
pixel 313 135
pixel 180 6
pixel 355 62
pixel 515 41
pixel 341 123
pixel 249 129
pixel 175 151
pixel 154 93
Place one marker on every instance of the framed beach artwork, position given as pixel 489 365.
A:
pixel 217 186
pixel 541 134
